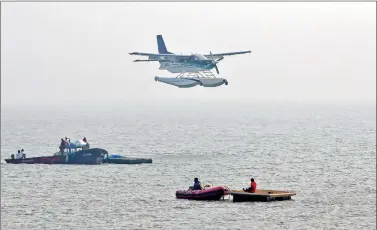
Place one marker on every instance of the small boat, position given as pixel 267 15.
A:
pixel 119 159
pixel 214 193
pixel 75 153
pixel 261 195
pixel 38 160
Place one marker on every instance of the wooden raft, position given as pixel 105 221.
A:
pixel 261 195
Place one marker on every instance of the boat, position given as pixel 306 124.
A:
pixel 214 193
pixel 261 195
pixel 119 159
pixel 77 152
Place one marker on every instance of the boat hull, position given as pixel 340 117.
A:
pixel 127 160
pixel 90 157
pixel 38 160
pixel 215 193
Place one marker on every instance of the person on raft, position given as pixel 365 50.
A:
pixel 252 188
pixel 197 184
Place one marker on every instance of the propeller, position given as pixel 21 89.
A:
pixel 216 61
pixel 217 69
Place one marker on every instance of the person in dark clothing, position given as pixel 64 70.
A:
pixel 23 154
pixel 62 145
pixel 252 188
pixel 197 184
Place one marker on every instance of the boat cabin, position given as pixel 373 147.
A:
pixel 74 147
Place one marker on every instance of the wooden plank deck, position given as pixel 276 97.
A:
pixel 261 195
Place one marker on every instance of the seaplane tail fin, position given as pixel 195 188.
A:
pixel 161 45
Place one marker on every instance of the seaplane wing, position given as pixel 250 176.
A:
pixel 161 57
pixel 221 55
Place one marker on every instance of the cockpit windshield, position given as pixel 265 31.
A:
pixel 198 57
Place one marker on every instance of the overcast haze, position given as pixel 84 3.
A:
pixel 61 52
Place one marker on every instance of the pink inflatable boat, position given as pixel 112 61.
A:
pixel 215 193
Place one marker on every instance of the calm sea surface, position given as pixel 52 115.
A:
pixel 327 154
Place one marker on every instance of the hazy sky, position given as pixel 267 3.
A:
pixel 61 52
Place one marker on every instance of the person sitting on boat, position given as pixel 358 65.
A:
pixel 197 184
pixel 23 154
pixel 84 140
pixel 252 188
pixel 19 155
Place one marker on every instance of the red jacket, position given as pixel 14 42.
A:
pixel 253 187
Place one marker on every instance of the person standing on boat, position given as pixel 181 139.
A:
pixel 19 155
pixel 67 141
pixel 252 188
pixel 87 143
pixel 197 184
pixel 62 146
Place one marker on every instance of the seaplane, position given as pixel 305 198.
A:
pixel 193 69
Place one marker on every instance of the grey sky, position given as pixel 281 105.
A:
pixel 61 52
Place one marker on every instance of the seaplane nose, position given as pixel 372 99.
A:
pixel 210 63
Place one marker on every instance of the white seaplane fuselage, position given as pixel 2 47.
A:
pixel 180 68
pixel 197 64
